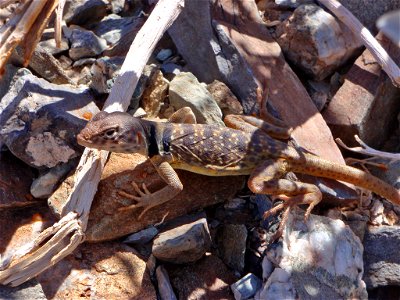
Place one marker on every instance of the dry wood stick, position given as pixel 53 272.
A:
pixel 92 162
pixel 380 54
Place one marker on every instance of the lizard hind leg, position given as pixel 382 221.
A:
pixel 266 179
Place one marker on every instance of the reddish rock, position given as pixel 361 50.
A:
pixel 225 99
pixel 208 279
pixel 99 271
pixel 15 181
pixel 106 222
pixel 367 103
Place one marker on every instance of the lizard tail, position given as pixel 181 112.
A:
pixel 313 165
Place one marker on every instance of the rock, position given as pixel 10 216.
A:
pixel 208 278
pixel 99 271
pixel 232 245
pixel 320 257
pixel 106 222
pixel 113 28
pixel 30 290
pixel 315 41
pixel 164 285
pixel 84 61
pixel 292 3
pixel 164 54
pixel 388 24
pixel 367 102
pixel 246 287
pixel 368 17
pixel 319 92
pixel 85 43
pixel 183 244
pixel 15 180
pixel 103 71
pixel 185 90
pixel 50 46
pixel 155 93
pixel 142 236
pixel 267 268
pixel 278 286
pixel 225 99
pixel 171 68
pixel 222 59
pixel 44 64
pixel 381 259
pixel 39 120
pixel 84 11
pixel 11 74
pixel 45 184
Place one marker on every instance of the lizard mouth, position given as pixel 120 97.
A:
pixel 82 140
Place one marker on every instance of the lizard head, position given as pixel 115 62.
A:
pixel 116 132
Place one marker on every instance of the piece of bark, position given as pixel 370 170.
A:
pixel 367 103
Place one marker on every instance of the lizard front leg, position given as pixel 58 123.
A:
pixel 266 179
pixel 252 124
pixel 149 200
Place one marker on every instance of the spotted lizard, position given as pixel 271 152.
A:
pixel 248 146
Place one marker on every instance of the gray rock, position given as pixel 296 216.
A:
pixel 164 285
pixel 84 61
pixel 292 3
pixel 84 11
pixel 85 43
pixel 39 120
pixel 171 68
pixel 185 90
pixel 164 54
pixel 45 184
pixel 279 286
pixel 11 74
pixel 30 290
pixel 389 24
pixel 117 6
pixel 214 50
pixel 232 245
pixel 315 41
pixel 183 244
pixel 381 256
pixel 142 237
pixel 246 287
pixel 113 28
pixel 50 46
pixel 103 70
pixel 368 11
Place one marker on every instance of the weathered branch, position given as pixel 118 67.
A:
pixel 92 162
pixel 380 54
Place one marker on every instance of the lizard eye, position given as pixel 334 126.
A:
pixel 110 133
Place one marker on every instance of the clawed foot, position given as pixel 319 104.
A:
pixel 288 203
pixel 143 200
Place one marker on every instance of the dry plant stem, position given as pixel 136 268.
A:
pixel 14 19
pixel 365 149
pixel 380 54
pixel 20 31
pixel 92 161
pixel 35 33
pixel 57 26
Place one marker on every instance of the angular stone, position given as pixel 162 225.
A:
pixel 39 120
pixel 222 59
pixel 319 257
pixel 85 43
pixel 225 99
pixel 15 181
pixel 106 222
pixel 184 243
pixel 232 245
pixel 84 11
pixel 155 93
pixel 164 285
pixel 50 46
pixel 367 103
pixel 185 90
pixel 246 287
pixel 381 257
pixel 142 236
pixel 292 3
pixel 208 278
pixel 99 271
pixel 30 290
pixel 313 40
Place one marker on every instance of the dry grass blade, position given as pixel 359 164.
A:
pixel 35 33
pixel 380 54
pixel 92 161
pixel 20 31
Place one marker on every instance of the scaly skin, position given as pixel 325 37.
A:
pixel 220 151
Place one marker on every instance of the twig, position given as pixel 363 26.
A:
pixel 380 54
pixel 57 26
pixel 365 149
pixel 92 161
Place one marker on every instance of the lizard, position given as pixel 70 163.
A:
pixel 248 146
